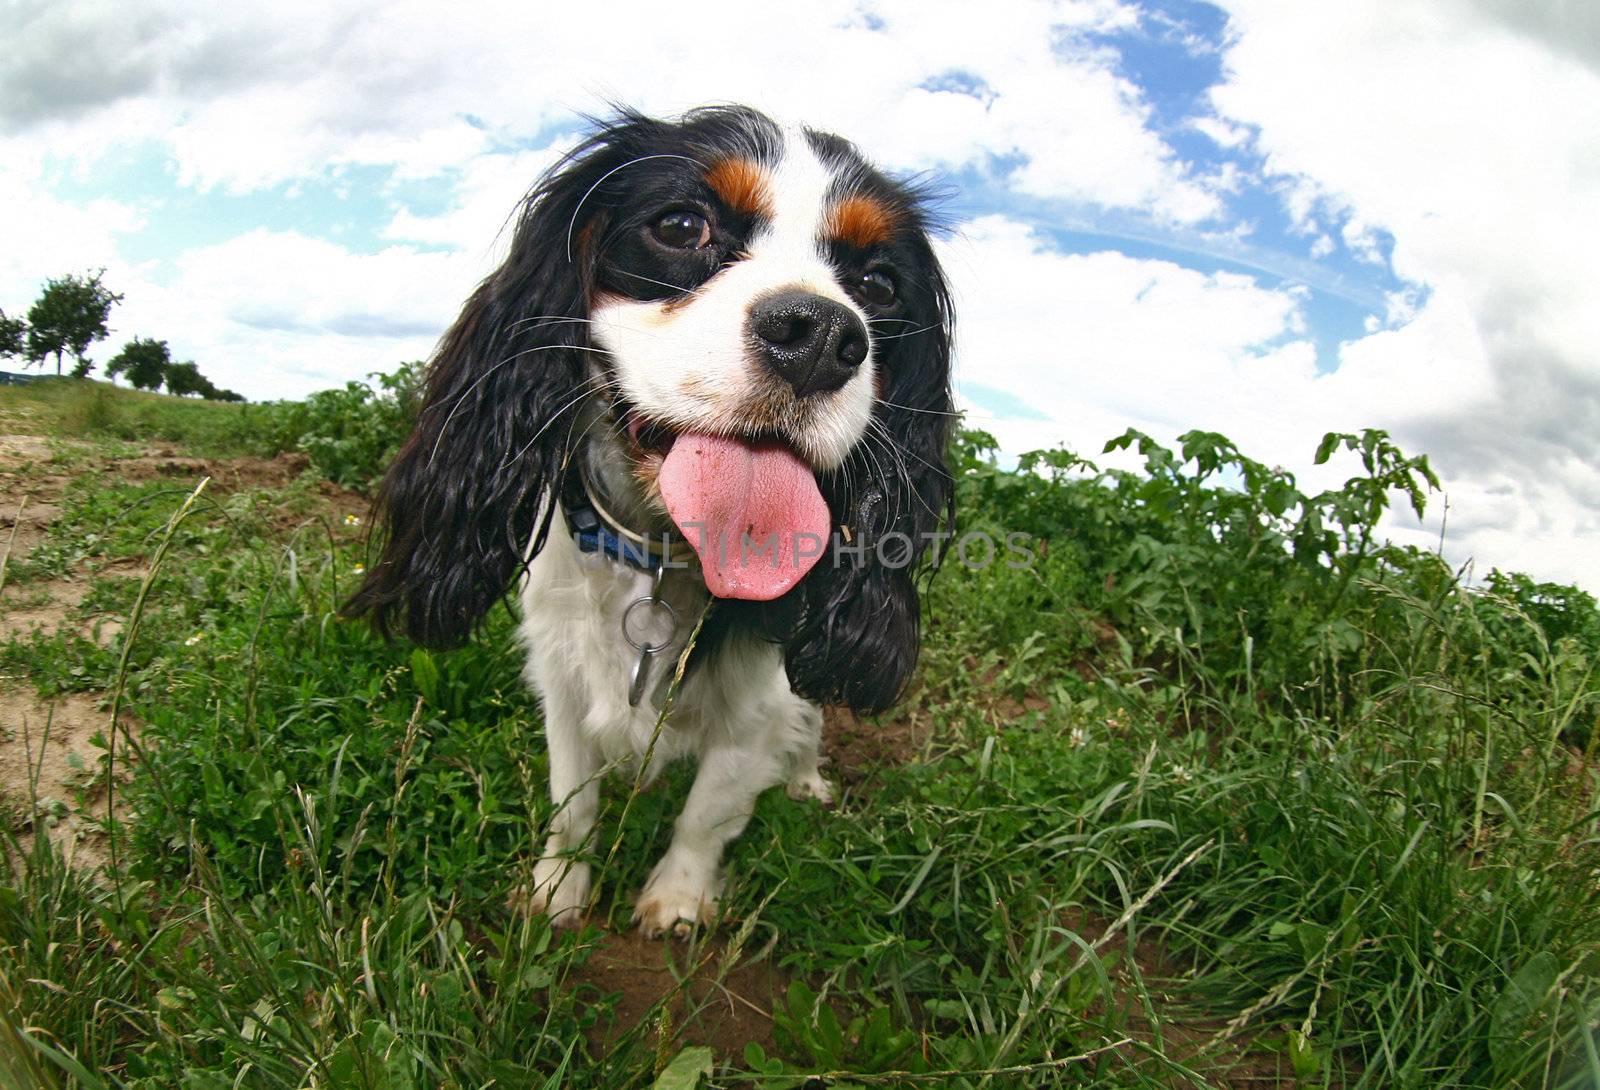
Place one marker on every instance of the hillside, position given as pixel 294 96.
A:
pixel 1217 790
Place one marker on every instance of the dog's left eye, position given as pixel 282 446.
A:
pixel 877 288
pixel 682 230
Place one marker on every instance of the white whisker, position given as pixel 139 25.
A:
pixel 914 409
pixel 579 396
pixel 661 283
pixel 906 333
pixel 445 427
pixel 572 225
pixel 877 428
pixel 941 470
pixel 548 319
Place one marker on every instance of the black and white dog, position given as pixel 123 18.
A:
pixel 714 368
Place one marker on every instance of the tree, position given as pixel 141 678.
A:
pixel 70 316
pixel 13 334
pixel 148 363
pixel 185 378
pixel 145 361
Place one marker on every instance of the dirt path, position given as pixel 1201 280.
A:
pixel 715 996
pixel 49 763
pixel 49 767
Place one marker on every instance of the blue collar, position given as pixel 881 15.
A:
pixel 597 531
pixel 602 540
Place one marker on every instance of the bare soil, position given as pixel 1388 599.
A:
pixel 712 995
pixel 48 768
pixel 856 749
pixel 1197 1041
pixel 49 772
pixel 228 473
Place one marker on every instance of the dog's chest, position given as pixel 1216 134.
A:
pixel 584 617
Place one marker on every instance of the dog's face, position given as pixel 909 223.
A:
pixel 753 315
pixel 741 292
pixel 746 281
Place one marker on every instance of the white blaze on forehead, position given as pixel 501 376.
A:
pixel 797 198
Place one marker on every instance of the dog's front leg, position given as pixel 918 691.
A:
pixel 561 877
pixel 682 889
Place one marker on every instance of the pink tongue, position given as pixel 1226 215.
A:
pixel 752 512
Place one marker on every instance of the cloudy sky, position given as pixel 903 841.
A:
pixel 1255 217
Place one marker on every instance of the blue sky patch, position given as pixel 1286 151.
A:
pixel 349 205
pixel 1000 402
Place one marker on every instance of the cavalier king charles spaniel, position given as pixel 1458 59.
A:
pixel 707 392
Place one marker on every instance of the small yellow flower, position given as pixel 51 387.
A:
pixel 194 639
pixel 352 520
pixel 358 568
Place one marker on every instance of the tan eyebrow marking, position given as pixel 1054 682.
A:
pixel 859 221
pixel 742 186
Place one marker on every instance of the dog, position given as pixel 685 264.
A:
pixel 707 391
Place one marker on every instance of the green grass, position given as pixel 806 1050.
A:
pixel 1351 803
pixel 348 434
pixel 90 409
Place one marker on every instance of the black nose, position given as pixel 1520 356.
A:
pixel 812 343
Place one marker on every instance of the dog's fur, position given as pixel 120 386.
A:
pixel 589 349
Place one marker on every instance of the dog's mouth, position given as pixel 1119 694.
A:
pixel 649 436
pixel 749 506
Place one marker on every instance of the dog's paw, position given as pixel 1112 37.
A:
pixel 560 890
pixel 810 785
pixel 675 899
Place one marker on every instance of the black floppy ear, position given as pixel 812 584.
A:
pixel 458 507
pixel 860 619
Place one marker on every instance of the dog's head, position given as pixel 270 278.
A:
pixel 750 320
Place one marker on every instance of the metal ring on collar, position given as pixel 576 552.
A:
pixel 646 646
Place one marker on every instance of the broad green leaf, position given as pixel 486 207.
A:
pixel 1522 995
pixel 425 675
pixel 685 1070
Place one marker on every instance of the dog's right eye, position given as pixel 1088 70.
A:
pixel 682 230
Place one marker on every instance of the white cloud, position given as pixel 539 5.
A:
pixel 247 98
pixel 1474 145
pixel 1103 341
pixel 277 314
pixel 481 213
pixel 1224 134
pixel 75 237
pixel 1100 342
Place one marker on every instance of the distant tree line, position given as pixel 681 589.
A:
pixel 70 315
